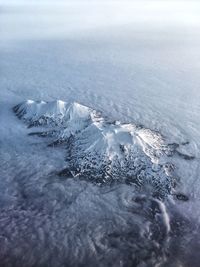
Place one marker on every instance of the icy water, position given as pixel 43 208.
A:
pixel 133 71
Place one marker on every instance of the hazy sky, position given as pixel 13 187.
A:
pixel 40 19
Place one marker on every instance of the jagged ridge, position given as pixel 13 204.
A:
pixel 103 151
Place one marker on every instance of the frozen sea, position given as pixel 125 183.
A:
pixel 136 62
